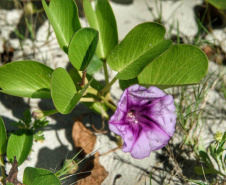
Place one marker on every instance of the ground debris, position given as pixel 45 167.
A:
pixel 84 139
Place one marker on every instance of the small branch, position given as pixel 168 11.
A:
pixel 12 177
pixel 3 174
pixel 114 149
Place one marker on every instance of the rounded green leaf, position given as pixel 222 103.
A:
pixel 63 16
pixel 142 45
pixel 3 137
pixel 63 91
pixel 26 79
pixel 102 18
pixel 19 145
pixel 38 176
pixel 134 69
pixel 179 65
pixel 82 48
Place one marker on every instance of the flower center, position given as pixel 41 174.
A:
pixel 131 116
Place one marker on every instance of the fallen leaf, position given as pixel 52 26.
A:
pixel 84 139
pixel 209 51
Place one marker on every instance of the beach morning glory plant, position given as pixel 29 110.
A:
pixel 145 119
pixel 145 63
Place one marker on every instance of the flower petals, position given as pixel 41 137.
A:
pixel 156 137
pixel 161 111
pixel 166 122
pixel 128 138
pixel 145 119
pixel 141 147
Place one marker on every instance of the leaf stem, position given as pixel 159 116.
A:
pixel 83 78
pixel 99 95
pixel 107 87
pixel 105 71
pixel 50 112
pixel 112 107
pixel 88 99
pixel 92 91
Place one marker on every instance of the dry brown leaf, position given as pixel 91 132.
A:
pixel 97 175
pixel 209 51
pixel 83 138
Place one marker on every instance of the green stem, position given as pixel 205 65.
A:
pixel 1 161
pixel 108 86
pixel 50 112
pixel 105 71
pixel 92 91
pixel 88 99
pixel 112 107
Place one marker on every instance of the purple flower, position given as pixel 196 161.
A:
pixel 145 120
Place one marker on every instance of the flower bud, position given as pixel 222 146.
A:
pixel 218 136
pixel 71 166
pixel 29 8
pixel 37 114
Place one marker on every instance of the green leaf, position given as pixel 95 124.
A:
pixel 102 18
pixel 39 136
pixel 63 16
pixel 8 183
pixel 76 77
pixel 142 45
pixel 220 4
pixel 3 137
pixel 199 170
pixel 82 48
pixel 126 83
pixel 205 158
pixel 179 65
pixel 38 176
pixel 63 91
pixel 95 65
pixel 26 79
pixel 19 145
